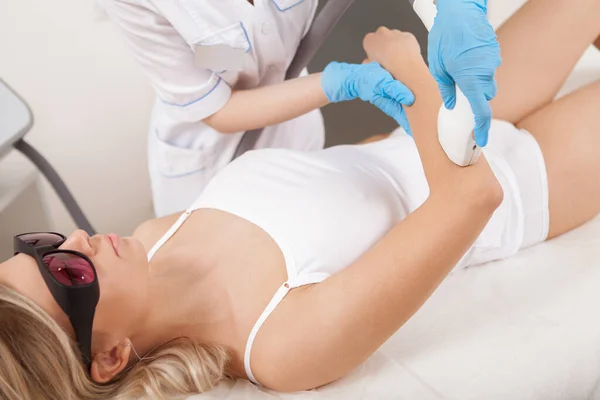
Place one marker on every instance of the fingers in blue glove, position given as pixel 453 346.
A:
pixel 369 82
pixel 448 91
pixel 393 109
pixel 402 120
pixel 394 96
pixel 397 91
pixel 483 118
pixel 479 92
pixel 490 90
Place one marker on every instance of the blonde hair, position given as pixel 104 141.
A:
pixel 39 361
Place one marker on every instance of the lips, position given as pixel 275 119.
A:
pixel 115 240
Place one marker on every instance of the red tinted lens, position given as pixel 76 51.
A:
pixel 41 239
pixel 69 269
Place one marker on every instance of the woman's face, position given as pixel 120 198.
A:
pixel 122 270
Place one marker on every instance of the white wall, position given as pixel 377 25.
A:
pixel 91 104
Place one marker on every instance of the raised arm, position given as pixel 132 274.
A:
pixel 339 323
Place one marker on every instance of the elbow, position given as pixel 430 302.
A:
pixel 493 198
pixel 486 196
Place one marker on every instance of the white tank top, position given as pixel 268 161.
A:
pixel 323 209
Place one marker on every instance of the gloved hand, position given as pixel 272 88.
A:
pixel 463 49
pixel 369 82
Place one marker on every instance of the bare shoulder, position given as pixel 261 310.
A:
pixel 149 232
pixel 296 348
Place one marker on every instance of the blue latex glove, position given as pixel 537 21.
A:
pixel 463 49
pixel 369 82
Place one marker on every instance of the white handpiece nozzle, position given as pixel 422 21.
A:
pixel 455 132
pixel 455 127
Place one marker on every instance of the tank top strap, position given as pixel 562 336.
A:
pixel 307 279
pixel 283 290
pixel 279 295
pixel 169 233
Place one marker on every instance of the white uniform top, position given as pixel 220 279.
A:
pixel 325 209
pixel 184 152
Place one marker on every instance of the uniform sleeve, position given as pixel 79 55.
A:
pixel 188 92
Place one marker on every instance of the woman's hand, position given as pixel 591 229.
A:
pixel 396 51
pixel 369 82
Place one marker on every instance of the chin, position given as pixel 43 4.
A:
pixel 133 248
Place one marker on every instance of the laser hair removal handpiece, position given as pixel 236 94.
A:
pixel 455 127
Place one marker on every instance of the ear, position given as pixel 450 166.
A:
pixel 108 364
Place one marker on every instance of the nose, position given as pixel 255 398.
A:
pixel 79 241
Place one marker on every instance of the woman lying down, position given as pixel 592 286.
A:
pixel 293 268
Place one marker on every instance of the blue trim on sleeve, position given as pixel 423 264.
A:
pixel 287 8
pixel 247 37
pixel 194 101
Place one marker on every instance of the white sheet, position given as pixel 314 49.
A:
pixel 526 328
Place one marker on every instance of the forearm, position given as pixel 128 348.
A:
pixel 269 105
pixel 404 269
pixel 420 251
pixel 423 118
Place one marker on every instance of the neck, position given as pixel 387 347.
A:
pixel 184 300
